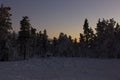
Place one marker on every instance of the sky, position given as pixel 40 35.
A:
pixel 65 16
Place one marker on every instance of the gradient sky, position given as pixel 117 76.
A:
pixel 62 15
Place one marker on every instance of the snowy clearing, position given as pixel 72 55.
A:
pixel 61 69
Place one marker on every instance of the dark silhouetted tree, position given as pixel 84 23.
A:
pixel 76 48
pixel 39 43
pixel 5 28
pixel 87 38
pixel 33 41
pixel 24 36
pixel 105 38
pixel 65 46
pixel 117 41
pixel 82 46
pixel 44 43
pixel 54 43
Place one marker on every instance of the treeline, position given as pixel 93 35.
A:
pixel 103 42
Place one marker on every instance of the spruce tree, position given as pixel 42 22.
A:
pixel 88 33
pixel 33 41
pixel 88 37
pixel 105 38
pixel 117 41
pixel 24 36
pixel 5 28
pixel 39 43
pixel 44 43
pixel 54 48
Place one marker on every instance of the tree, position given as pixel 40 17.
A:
pixel 5 28
pixel 87 37
pixel 105 35
pixel 24 36
pixel 76 48
pixel 65 45
pixel 44 43
pixel 62 47
pixel 54 48
pixel 117 41
pixel 88 33
pixel 39 43
pixel 33 41
pixel 82 46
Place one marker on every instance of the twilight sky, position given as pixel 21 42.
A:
pixel 62 15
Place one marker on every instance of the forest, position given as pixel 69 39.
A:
pixel 101 42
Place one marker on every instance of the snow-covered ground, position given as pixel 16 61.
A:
pixel 61 69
